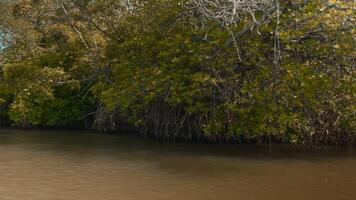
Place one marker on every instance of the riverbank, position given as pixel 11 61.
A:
pixel 258 145
pixel 278 150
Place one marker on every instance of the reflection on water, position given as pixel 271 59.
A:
pixel 78 166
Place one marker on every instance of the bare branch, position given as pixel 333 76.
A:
pixel 230 12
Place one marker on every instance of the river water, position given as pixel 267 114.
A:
pixel 52 165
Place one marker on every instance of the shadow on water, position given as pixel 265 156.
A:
pixel 72 141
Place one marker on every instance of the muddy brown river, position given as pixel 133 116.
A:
pixel 65 165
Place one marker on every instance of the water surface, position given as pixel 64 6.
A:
pixel 48 165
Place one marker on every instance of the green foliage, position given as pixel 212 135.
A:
pixel 163 69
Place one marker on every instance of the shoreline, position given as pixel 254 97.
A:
pixel 290 147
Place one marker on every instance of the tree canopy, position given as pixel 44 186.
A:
pixel 226 71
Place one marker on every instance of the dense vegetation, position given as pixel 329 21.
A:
pixel 172 69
